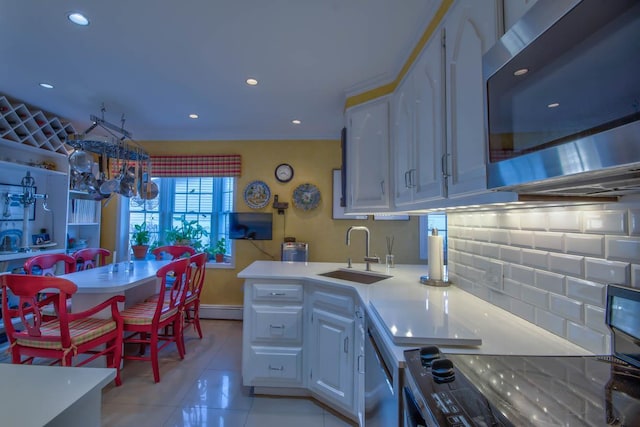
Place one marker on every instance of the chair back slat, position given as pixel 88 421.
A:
pixel 196 281
pixel 90 258
pixel 179 270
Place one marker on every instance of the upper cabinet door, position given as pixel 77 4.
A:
pixel 368 156
pixel 402 141
pixel 471 29
pixel 428 78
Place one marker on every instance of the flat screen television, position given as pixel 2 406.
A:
pixel 250 225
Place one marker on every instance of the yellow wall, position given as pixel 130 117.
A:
pixel 313 162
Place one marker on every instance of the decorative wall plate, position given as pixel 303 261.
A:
pixel 306 197
pixel 257 194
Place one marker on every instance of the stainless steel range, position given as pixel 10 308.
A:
pixel 496 390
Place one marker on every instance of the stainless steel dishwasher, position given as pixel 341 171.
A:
pixel 380 401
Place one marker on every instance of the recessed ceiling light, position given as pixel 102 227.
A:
pixel 78 19
pixel 252 82
pixel 46 85
pixel 553 105
pixel 193 116
pixel 521 71
pixel 296 121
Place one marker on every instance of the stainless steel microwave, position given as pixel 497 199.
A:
pixel 563 100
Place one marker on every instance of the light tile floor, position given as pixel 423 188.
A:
pixel 204 389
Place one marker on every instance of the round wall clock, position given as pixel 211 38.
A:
pixel 284 172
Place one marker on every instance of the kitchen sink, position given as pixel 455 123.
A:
pixel 365 277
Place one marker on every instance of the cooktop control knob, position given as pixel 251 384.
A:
pixel 428 355
pixel 442 371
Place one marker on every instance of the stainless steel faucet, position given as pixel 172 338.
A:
pixel 367 259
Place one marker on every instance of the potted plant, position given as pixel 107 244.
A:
pixel 140 240
pixel 187 233
pixel 220 249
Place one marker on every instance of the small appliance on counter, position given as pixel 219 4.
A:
pixel 437 270
pixel 294 251
pixel 509 390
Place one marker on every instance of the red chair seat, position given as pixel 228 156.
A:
pixel 80 331
pixel 142 313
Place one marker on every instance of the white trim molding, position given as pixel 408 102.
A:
pixel 217 311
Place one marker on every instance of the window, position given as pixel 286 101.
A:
pixel 207 201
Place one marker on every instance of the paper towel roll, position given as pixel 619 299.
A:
pixel 436 258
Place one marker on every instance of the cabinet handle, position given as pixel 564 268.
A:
pixel 443 162
pixel 360 364
pixel 271 368
pixel 277 294
pixel 406 179
pixel 412 174
pixel 346 345
pixel 276 326
pixel 382 186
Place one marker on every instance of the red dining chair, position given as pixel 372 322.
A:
pixel 65 337
pixel 175 251
pixel 146 320
pixel 194 288
pixel 45 264
pixel 90 258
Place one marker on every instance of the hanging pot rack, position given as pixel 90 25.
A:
pixel 119 146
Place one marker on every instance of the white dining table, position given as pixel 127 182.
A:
pixel 136 281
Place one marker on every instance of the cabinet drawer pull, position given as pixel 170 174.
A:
pixel 346 345
pixel 277 294
pixel 271 368
pixel 276 326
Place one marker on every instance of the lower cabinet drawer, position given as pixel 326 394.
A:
pixel 276 325
pixel 271 365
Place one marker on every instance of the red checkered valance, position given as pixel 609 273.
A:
pixel 224 165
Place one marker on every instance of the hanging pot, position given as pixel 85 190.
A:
pixel 81 161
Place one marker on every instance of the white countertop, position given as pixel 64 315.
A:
pixel 413 314
pixel 34 395
pixel 104 279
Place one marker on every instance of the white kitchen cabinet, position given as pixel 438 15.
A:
pixel 471 28
pixel 332 359
pixel 273 334
pixel 50 172
pixel 368 157
pixel 418 131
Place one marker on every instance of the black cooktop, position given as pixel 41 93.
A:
pixel 498 390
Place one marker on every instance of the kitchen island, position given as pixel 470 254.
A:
pixel 304 333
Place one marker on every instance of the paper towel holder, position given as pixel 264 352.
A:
pixel 425 280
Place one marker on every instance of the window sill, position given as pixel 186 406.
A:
pixel 220 265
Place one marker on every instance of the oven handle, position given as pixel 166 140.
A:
pixel 381 360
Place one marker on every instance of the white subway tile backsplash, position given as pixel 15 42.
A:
pixel 521 238
pixel 509 220
pixel 481 234
pixel 512 288
pixel 523 310
pixel 605 222
pixel 634 222
pixel 489 220
pixel 532 220
pixel 594 318
pixel 454 232
pixel 565 220
pixel 568 264
pixel 623 248
pixel 585 291
pixel 551 322
pixel 509 254
pixel 499 236
pixel 635 275
pixel 490 250
pixel 550 282
pixel 566 307
pixel 585 337
pixel 465 258
pixel 474 247
pixel 600 270
pixel 535 296
pixel 499 299
pixel 550 241
pixel 584 244
pixel 522 274
pixel 537 259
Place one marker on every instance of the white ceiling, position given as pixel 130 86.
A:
pixel 156 61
